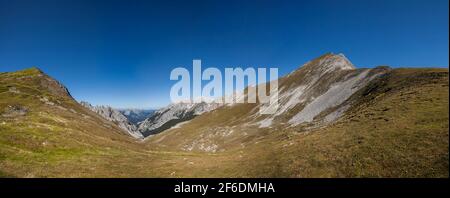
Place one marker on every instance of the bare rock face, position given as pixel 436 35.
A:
pixel 173 114
pixel 136 115
pixel 319 91
pixel 115 116
pixel 54 86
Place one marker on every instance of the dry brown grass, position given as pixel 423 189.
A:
pixel 400 129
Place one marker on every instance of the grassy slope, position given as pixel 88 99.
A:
pixel 399 129
pixel 52 138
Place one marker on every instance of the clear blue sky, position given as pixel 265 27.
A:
pixel 121 53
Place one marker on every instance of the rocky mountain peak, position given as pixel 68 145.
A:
pixel 33 70
pixel 173 114
pixel 136 115
pixel 115 116
pixel 35 76
pixel 328 63
pixel 339 61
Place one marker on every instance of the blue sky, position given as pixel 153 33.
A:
pixel 120 53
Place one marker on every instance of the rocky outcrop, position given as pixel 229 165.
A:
pixel 319 91
pixel 14 111
pixel 173 114
pixel 136 115
pixel 115 116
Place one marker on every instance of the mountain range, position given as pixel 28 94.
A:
pixel 333 120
